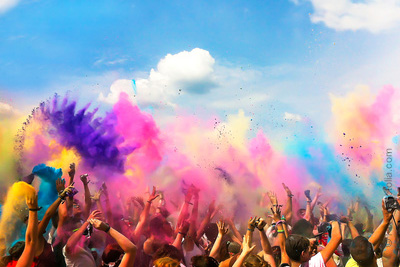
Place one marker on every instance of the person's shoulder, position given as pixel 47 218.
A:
pixel 316 261
pixel 351 263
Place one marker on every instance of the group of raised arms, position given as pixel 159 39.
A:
pixel 104 229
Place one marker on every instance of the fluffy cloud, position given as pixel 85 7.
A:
pixel 371 15
pixel 7 111
pixel 186 72
pixel 6 5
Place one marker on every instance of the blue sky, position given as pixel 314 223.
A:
pixel 266 57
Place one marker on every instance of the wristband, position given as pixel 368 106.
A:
pixel 291 195
pixel 189 203
pixel 281 221
pixel 108 228
pixel 148 201
pixel 281 231
pixel 251 230
pixel 37 209
pixel 182 233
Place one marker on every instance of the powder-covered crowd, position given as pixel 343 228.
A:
pixel 141 232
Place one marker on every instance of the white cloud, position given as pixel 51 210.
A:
pixel 6 5
pixel 7 110
pixel 371 15
pixel 190 72
pixel 292 117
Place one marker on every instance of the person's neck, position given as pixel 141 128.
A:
pixel 295 263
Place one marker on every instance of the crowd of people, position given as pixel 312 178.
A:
pixel 140 231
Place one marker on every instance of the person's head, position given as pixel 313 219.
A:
pixel 362 251
pixel 112 254
pixel 301 213
pixel 16 250
pixel 170 251
pixel 233 248
pixel 211 231
pixel 204 261
pixel 76 208
pixel 304 228
pixel 255 261
pixel 159 226
pixel 166 262
pixel 298 248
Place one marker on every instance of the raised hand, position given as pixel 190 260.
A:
pixel 184 227
pixel 251 224
pixel 84 179
pixel 288 191
pixel 276 211
pixel 60 185
pixel 99 225
pixel 71 171
pixel 32 201
pixel 261 224
pixel 247 248
pixel 96 214
pixel 272 197
pixel 97 195
pixel 387 216
pixel 222 228
pixel 153 195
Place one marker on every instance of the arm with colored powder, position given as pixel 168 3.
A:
pixel 236 235
pixel 282 234
pixel 88 200
pixel 206 220
pixel 182 232
pixel 336 239
pixel 73 241
pixel 109 217
pixel 189 242
pixel 370 223
pixel 31 236
pixel 60 185
pixel 145 214
pixel 185 207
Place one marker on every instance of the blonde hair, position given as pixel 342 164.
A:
pixel 166 262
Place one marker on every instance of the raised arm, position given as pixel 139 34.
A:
pixel 88 200
pixel 206 220
pixel 246 250
pixel 266 246
pixel 391 251
pixel 222 230
pixel 189 241
pixel 182 232
pixel 75 237
pixel 281 228
pixel 127 246
pixel 336 238
pixel 60 185
pixel 237 237
pixel 31 236
pixel 378 235
pixel 145 214
pixel 288 212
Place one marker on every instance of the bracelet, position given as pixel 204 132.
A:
pixel 291 195
pixel 251 230
pixel 281 231
pixel 148 201
pixel 190 203
pixel 108 227
pixel 281 221
pixel 37 209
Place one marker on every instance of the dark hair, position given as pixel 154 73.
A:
pixel 346 247
pixel 362 251
pixel 167 250
pixel 255 261
pixel 295 245
pixel 304 228
pixel 211 231
pixel 360 228
pixel 204 261
pixel 112 253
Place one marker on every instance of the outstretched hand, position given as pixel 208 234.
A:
pixel 222 228
pixel 32 201
pixel 153 195
pixel 96 214
pixel 71 171
pixel 272 197
pixel 247 248
pixel 60 185
pixel 287 189
pixel 97 195
pixel 99 225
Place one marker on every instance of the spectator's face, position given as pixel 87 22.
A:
pixel 76 209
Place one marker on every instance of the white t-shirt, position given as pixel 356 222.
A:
pixel 80 258
pixel 316 261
